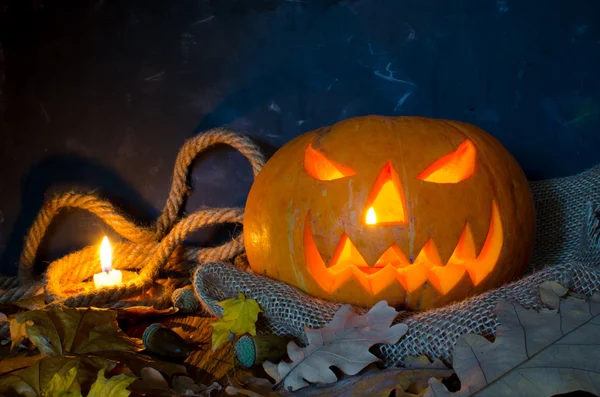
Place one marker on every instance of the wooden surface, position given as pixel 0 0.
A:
pixel 204 365
pixel 208 366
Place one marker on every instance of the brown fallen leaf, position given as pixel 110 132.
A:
pixel 135 313
pixel 32 303
pixel 17 362
pixel 372 381
pixel 73 331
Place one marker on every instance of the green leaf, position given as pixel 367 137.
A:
pixel 72 331
pixel 64 385
pixel 31 381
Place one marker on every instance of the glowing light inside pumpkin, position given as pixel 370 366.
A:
pixel 386 199
pixel 320 167
pixel 348 264
pixel 371 216
pixel 453 167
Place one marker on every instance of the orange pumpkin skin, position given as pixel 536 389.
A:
pixel 456 231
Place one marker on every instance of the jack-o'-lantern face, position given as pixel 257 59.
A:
pixel 416 211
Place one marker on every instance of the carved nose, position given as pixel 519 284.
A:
pixel 386 204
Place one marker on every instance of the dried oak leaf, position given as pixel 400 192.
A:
pixel 534 354
pixel 405 382
pixel 550 293
pixel 72 331
pixel 239 317
pixel 343 343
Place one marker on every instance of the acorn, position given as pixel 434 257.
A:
pixel 165 342
pixel 185 300
pixel 255 350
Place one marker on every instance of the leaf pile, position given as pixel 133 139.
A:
pixel 343 343
pixel 405 382
pixel 77 352
pixel 535 353
pixel 72 331
pixel 74 345
pixel 239 317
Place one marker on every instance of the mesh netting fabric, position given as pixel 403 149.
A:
pixel 565 220
pixel 567 250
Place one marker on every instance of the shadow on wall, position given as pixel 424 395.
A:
pixel 57 174
pixel 63 173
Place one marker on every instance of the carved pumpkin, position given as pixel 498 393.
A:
pixel 419 212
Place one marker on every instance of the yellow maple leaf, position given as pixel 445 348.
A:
pixel 113 387
pixel 18 331
pixel 220 334
pixel 63 385
pixel 239 317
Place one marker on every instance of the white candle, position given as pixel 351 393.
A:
pixel 108 277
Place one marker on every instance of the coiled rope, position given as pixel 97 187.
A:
pixel 149 254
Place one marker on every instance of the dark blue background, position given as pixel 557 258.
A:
pixel 100 94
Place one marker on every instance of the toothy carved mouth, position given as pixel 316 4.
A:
pixel 347 262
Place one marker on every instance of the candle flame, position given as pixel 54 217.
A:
pixel 371 216
pixel 105 255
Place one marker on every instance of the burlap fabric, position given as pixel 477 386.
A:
pixel 567 250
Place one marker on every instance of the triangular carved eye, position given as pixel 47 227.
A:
pixel 386 204
pixel 320 167
pixel 453 167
